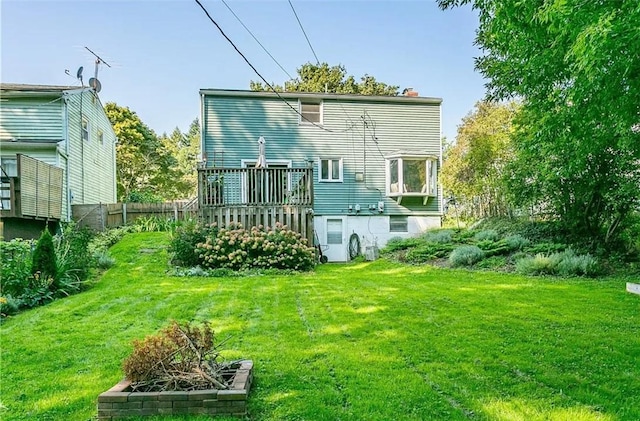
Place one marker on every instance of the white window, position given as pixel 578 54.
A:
pixel 85 128
pixel 412 174
pixel 311 112
pixel 330 169
pixel 398 223
pixel 101 137
pixel 334 231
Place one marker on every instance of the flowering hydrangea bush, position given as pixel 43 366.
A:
pixel 235 247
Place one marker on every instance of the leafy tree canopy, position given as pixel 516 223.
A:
pixel 332 79
pixel 474 165
pixel 184 148
pixel 574 65
pixel 145 169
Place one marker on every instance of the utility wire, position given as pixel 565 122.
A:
pixel 256 70
pixel 304 32
pixel 256 39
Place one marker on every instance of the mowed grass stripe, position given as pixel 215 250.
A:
pixel 370 341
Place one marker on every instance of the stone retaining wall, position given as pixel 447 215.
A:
pixel 119 402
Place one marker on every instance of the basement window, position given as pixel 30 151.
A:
pixel 310 112
pixel 411 175
pixel 398 223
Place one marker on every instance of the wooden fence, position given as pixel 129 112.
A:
pixel 103 216
pixel 296 218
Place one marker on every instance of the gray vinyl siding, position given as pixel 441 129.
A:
pixel 233 124
pixel 32 119
pixel 91 164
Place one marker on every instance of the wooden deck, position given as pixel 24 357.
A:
pixel 257 196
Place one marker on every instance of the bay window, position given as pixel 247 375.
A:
pixel 411 175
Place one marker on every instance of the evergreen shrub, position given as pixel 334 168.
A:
pixel 44 256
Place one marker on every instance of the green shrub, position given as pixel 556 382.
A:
pixel 516 242
pixel 237 248
pixel 152 224
pixel 438 236
pixel 492 263
pixel 466 256
pixel 426 252
pixel 398 243
pixel 39 291
pixel 44 256
pixel 484 235
pixel 103 240
pixel 103 260
pixel 545 248
pixel 539 264
pixel 184 239
pixel 566 263
pixel 16 266
pixel 9 305
pixel 73 256
pixel 577 265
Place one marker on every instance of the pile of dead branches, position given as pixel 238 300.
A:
pixel 181 357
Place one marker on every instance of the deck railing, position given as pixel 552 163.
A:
pixel 255 187
pixel 257 196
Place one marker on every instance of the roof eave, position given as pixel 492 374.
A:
pixel 321 96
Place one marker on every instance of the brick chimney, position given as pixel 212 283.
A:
pixel 409 92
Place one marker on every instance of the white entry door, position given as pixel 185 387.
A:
pixel 335 239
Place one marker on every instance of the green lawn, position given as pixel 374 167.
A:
pixel 367 341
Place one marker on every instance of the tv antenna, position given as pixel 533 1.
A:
pixel 94 82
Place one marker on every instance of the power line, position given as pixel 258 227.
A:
pixel 256 70
pixel 256 39
pixel 304 32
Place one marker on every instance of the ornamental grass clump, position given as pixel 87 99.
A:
pixel 566 263
pixel 237 248
pixel 466 256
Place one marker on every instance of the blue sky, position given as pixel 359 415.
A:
pixel 163 51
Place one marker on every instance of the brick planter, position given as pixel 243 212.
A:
pixel 119 402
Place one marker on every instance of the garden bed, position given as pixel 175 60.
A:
pixel 120 402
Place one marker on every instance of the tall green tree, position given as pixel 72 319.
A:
pixel 185 148
pixel 575 66
pixel 145 170
pixel 331 79
pixel 474 166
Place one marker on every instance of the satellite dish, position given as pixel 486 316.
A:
pixel 95 84
pixel 79 73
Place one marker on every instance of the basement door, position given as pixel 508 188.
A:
pixel 335 239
